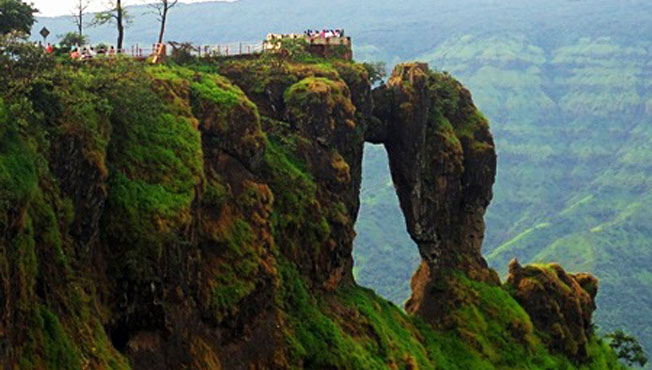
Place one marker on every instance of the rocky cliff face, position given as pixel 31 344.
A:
pixel 560 304
pixel 443 165
pixel 202 217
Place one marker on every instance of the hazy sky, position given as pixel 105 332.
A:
pixel 64 7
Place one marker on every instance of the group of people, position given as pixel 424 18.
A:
pixel 89 52
pixel 48 49
pixel 326 34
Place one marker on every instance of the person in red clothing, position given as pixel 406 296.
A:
pixel 49 49
pixel 74 54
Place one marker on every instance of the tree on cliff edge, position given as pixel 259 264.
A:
pixel 162 7
pixel 78 13
pixel 16 15
pixel 627 348
pixel 115 14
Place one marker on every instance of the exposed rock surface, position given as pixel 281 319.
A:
pixel 180 218
pixel 560 304
pixel 443 165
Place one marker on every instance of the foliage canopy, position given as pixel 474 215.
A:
pixel 16 15
pixel 627 348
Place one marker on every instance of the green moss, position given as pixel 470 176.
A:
pixel 215 195
pixel 314 340
pixel 82 113
pixel 440 125
pixel 48 235
pixel 48 344
pixel 497 322
pixel 236 275
pixel 322 334
pixel 448 101
pixel 18 177
pixel 354 74
pixel 152 150
pixel 313 91
pixel 295 198
pixel 155 165
pixel 218 91
pixel 59 349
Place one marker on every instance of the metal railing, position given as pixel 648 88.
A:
pixel 146 51
pixel 229 49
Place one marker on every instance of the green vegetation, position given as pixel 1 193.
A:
pixel 627 348
pixel 377 71
pixel 41 291
pixel 48 336
pixel 492 331
pixel 71 39
pixel 130 205
pixel 305 98
pixel 568 101
pixel 16 15
pixel 155 166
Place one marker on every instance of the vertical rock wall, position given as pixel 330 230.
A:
pixel 443 165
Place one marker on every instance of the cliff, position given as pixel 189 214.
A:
pixel 202 217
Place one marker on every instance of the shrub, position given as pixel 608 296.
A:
pixel 627 348
pixel 71 39
pixel 377 72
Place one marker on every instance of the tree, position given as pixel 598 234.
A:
pixel 115 14
pixel 21 63
pixel 182 52
pixel 78 14
pixel 162 7
pixel 377 72
pixel 627 348
pixel 16 15
pixel 71 39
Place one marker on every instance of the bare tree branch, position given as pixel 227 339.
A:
pixel 161 9
pixel 78 13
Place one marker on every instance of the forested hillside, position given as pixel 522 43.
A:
pixel 567 87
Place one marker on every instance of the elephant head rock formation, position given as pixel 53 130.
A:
pixel 443 165
pixel 206 221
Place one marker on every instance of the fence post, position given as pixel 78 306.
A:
pixel 240 49
pixel 227 50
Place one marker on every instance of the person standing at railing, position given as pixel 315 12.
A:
pixel 74 54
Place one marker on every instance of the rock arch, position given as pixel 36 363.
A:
pixel 443 164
